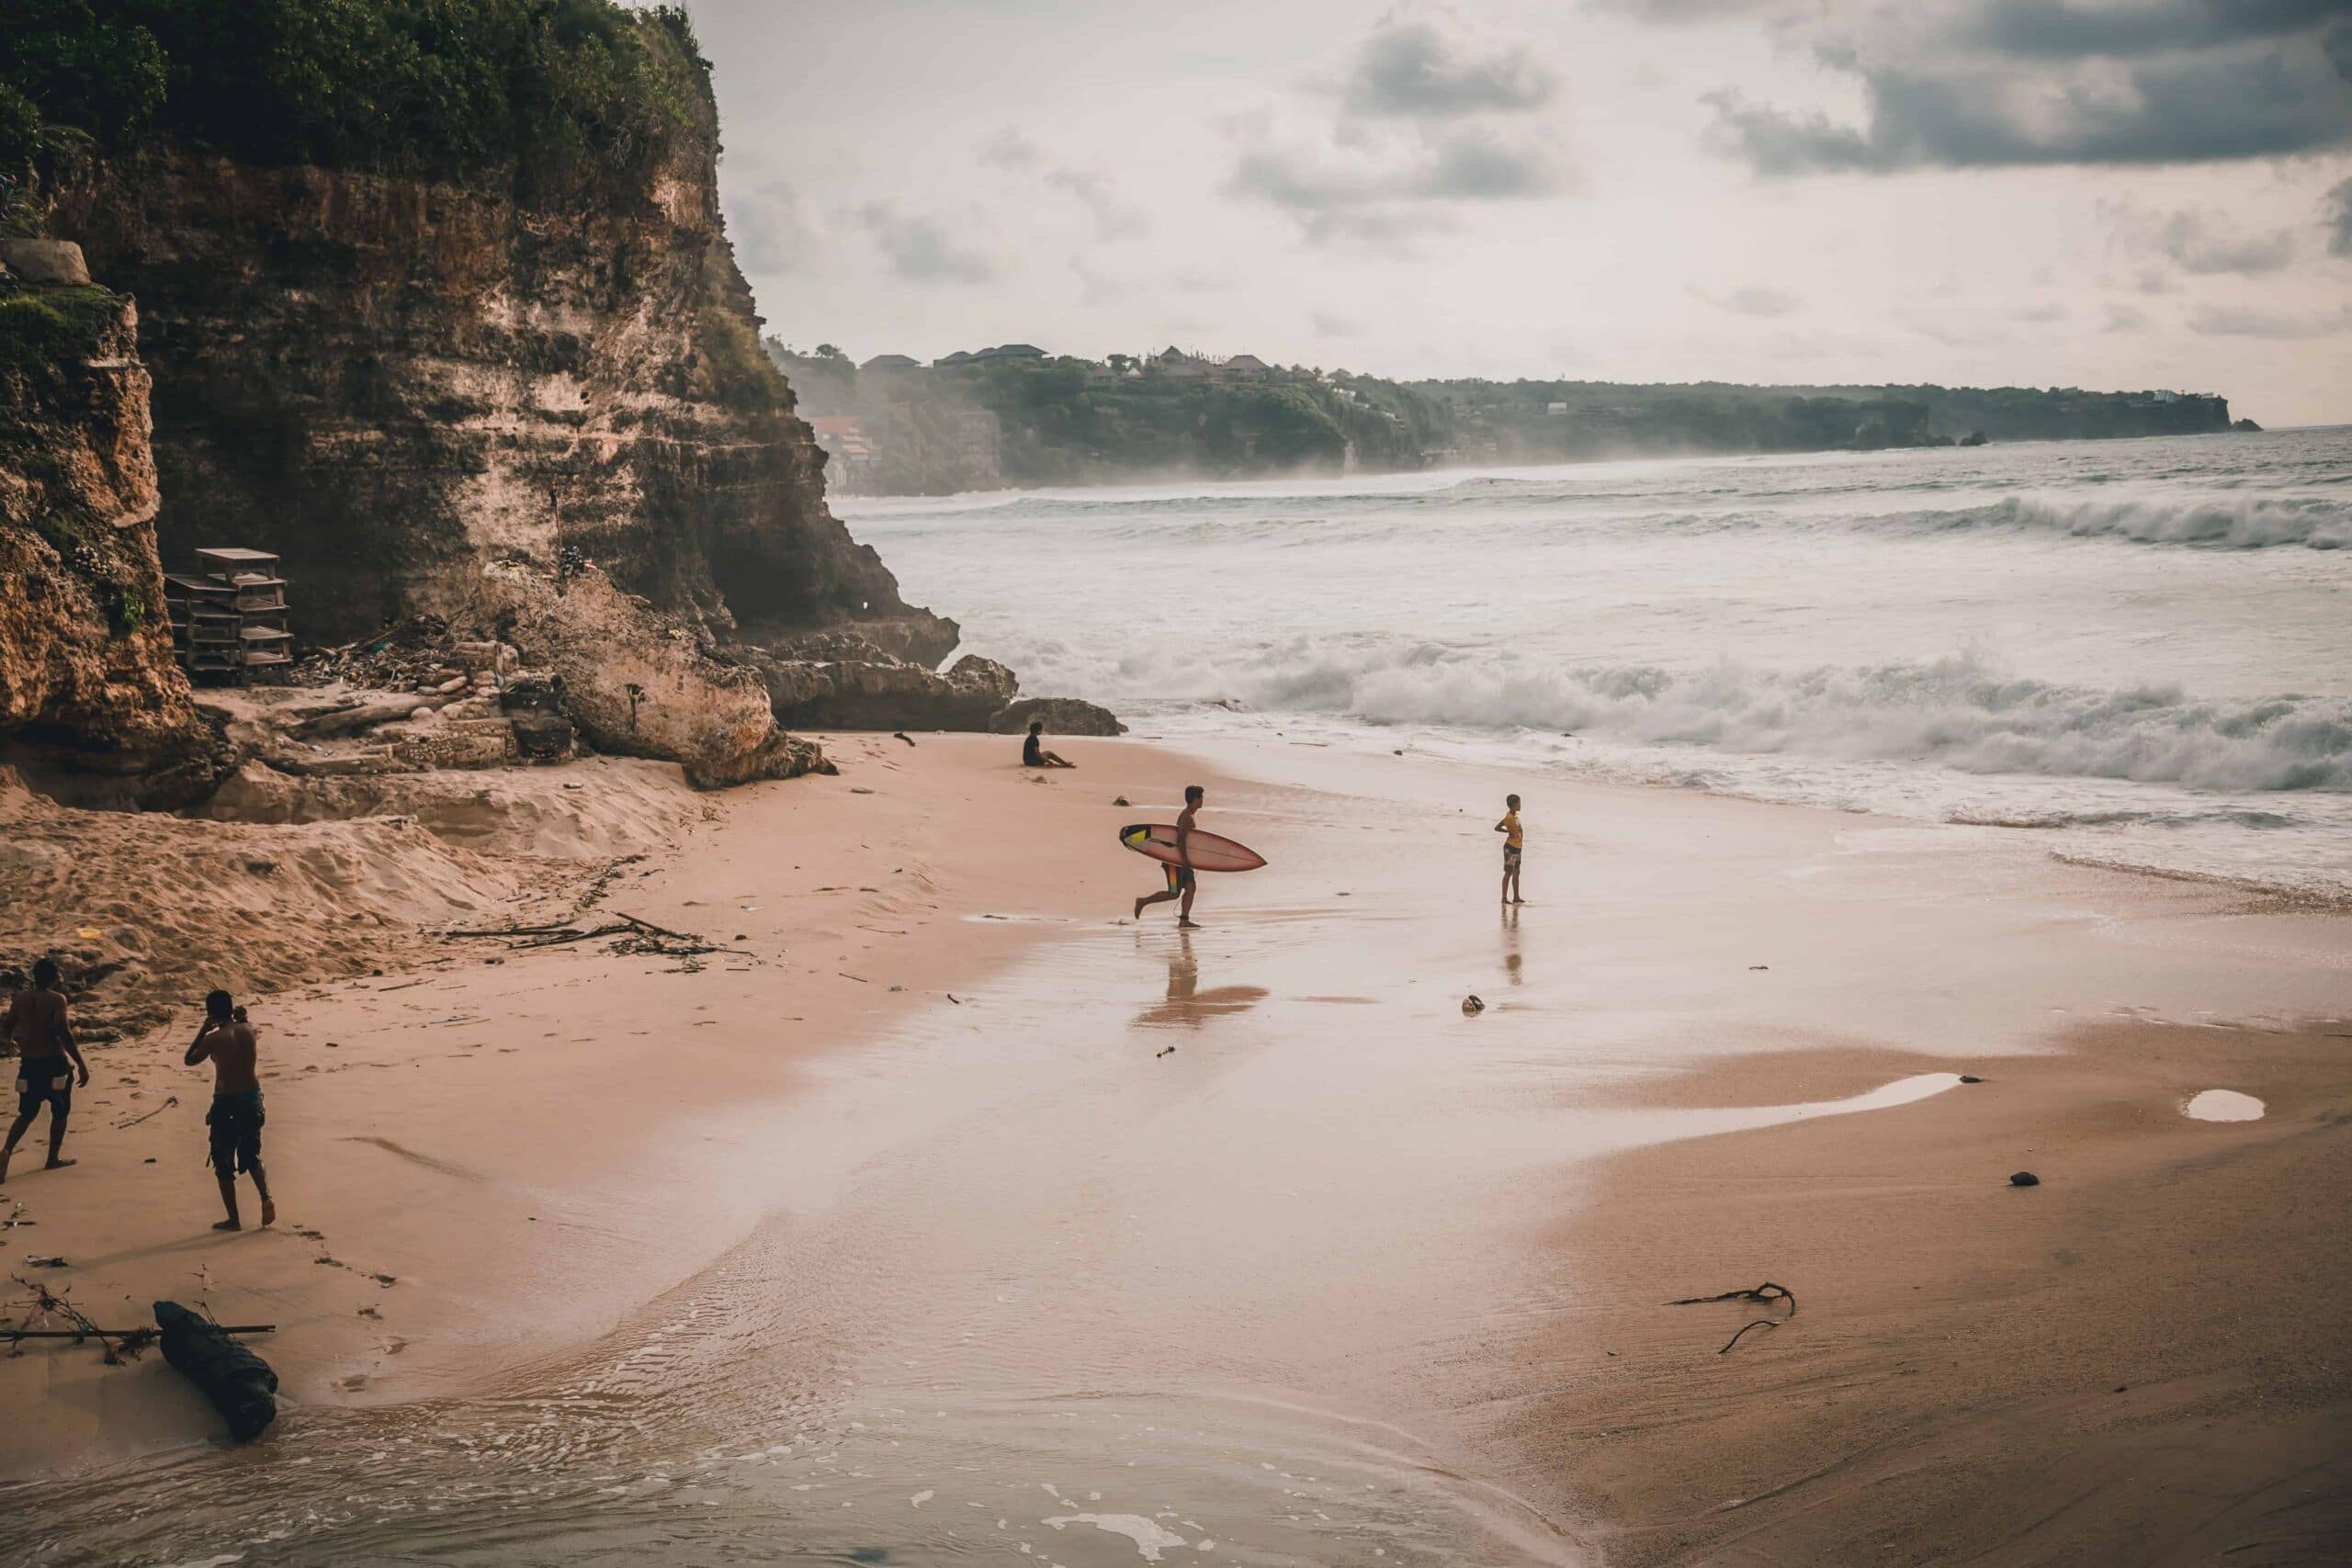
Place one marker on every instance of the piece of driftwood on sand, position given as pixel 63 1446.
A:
pixel 240 1384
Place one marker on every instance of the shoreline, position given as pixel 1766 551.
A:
pixel 1300 1136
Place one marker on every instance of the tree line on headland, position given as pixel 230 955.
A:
pixel 1014 415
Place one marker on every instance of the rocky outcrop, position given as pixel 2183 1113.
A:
pixel 404 388
pixel 638 682
pixel 1060 715
pixel 88 687
pixel 837 681
pixel 389 382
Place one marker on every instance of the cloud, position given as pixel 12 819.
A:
pixel 1010 148
pixel 2013 83
pixel 1753 300
pixel 2336 216
pixel 2231 321
pixel 2123 318
pixel 1432 118
pixel 1325 323
pixel 924 250
pixel 1384 190
pixel 2061 30
pixel 1116 218
pixel 2199 243
pixel 1432 67
pixel 1953 328
pixel 773 227
pixel 2039 314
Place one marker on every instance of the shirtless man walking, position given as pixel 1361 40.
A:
pixel 1183 882
pixel 37 1023
pixel 228 1043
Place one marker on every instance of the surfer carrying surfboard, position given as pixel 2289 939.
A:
pixel 1181 881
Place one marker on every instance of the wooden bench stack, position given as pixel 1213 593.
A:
pixel 229 615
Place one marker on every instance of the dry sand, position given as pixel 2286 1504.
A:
pixel 1361 1208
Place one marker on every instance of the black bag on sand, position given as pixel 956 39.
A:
pixel 238 1383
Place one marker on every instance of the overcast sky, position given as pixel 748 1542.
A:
pixel 2098 193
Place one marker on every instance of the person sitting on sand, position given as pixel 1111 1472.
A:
pixel 37 1022
pixel 236 1114
pixel 1032 749
pixel 1181 881
pixel 1514 841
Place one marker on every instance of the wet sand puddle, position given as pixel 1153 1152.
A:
pixel 1034 1286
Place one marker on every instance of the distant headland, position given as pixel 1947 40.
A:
pixel 1016 415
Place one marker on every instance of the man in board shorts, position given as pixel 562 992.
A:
pixel 235 1119
pixel 36 1022
pixel 1181 881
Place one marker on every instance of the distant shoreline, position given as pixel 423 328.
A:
pixel 1146 478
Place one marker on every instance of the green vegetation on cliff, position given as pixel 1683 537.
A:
pixel 1016 416
pixel 553 93
pixel 43 332
pixel 1566 420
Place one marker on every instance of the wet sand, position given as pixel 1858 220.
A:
pixel 2138 1360
pixel 1250 1237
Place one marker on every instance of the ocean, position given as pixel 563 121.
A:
pixel 2139 652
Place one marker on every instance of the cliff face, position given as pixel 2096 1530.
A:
pixel 87 682
pixel 390 382
pixel 433 397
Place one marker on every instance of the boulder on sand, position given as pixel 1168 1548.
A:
pixel 1062 715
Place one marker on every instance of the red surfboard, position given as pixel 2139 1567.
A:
pixel 1208 852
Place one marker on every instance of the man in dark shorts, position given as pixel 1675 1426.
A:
pixel 235 1119
pixel 1181 881
pixel 1032 749
pixel 36 1022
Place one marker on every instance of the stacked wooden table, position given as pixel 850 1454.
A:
pixel 229 615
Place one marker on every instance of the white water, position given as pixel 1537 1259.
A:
pixel 2138 649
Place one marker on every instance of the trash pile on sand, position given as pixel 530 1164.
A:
pixel 409 654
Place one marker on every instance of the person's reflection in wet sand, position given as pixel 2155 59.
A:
pixel 1511 944
pixel 1186 1003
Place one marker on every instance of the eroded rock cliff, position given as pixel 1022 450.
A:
pixel 87 683
pixel 399 385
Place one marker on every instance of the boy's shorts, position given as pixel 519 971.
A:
pixel 1511 857
pixel 1178 877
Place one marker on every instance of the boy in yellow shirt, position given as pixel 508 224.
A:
pixel 1513 842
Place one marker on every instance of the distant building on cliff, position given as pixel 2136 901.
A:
pixel 890 364
pixel 849 467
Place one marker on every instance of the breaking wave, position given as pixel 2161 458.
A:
pixel 1953 713
pixel 2225 521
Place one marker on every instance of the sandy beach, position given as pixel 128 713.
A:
pixel 945 1184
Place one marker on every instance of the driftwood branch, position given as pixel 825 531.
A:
pixel 169 1101
pixel 345 721
pixel 636 936
pixel 122 1333
pixel 1759 1323
pixel 118 1344
pixel 1768 1294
